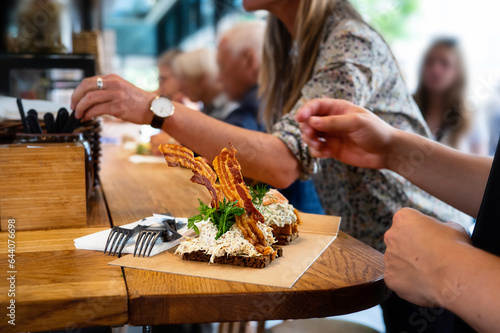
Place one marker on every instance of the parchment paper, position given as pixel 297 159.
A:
pixel 316 233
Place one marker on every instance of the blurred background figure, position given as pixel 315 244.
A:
pixel 441 97
pixel 169 86
pixel 239 57
pixel 197 73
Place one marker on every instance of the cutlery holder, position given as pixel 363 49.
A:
pixel 44 185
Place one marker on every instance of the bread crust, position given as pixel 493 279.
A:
pixel 253 262
pixel 285 234
pixel 285 239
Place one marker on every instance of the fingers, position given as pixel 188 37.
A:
pixel 400 218
pixel 310 136
pixel 407 214
pixel 90 84
pixel 342 123
pixel 315 130
pixel 94 97
pixel 99 110
pixel 320 153
pixel 87 84
pixel 323 107
pixel 313 143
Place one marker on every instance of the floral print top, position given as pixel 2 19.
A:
pixel 355 64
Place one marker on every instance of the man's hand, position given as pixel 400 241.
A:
pixel 418 247
pixel 118 98
pixel 346 132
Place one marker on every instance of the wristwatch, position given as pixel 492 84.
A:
pixel 162 108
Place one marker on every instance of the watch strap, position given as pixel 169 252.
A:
pixel 157 122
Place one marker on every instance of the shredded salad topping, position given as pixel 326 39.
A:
pixel 231 242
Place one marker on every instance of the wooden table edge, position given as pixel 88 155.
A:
pixel 373 293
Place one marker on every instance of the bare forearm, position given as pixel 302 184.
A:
pixel 456 178
pixel 471 287
pixel 262 156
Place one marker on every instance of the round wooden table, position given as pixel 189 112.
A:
pixel 59 287
pixel 347 277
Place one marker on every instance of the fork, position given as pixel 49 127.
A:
pixel 118 237
pixel 147 237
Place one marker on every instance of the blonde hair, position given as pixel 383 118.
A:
pixel 196 63
pixel 245 35
pixel 286 67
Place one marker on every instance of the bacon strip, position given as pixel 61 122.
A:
pixel 234 188
pixel 177 155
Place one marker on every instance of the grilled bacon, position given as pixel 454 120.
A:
pixel 177 155
pixel 234 188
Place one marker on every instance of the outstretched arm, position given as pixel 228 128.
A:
pixel 353 135
pixel 437 266
pixel 262 156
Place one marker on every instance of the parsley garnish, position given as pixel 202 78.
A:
pixel 258 192
pixel 222 217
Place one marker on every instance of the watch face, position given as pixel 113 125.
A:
pixel 162 107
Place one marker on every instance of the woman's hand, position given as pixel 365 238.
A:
pixel 118 98
pixel 346 132
pixel 418 256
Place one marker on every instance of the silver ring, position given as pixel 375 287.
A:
pixel 99 83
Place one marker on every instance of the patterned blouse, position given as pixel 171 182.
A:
pixel 355 64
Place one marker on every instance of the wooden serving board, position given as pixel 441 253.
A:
pixel 42 186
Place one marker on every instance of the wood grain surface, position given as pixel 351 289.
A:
pixel 97 212
pixel 347 277
pixel 60 287
pixel 43 186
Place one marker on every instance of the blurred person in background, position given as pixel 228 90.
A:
pixel 441 97
pixel 239 56
pixel 197 72
pixel 169 85
pixel 314 48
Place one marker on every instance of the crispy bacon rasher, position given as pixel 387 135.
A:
pixel 177 155
pixel 228 169
pixel 232 186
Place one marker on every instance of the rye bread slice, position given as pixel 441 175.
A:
pixel 285 234
pixel 254 262
pixel 285 239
